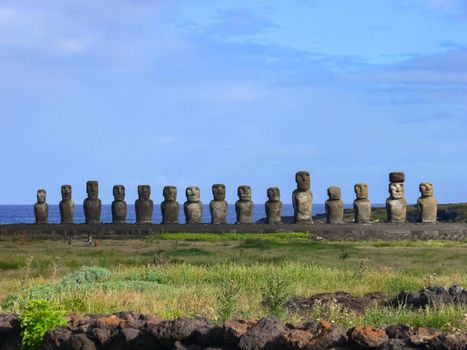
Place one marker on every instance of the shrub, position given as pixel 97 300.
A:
pixel 275 294
pixel 38 317
pixel 227 300
pixel 86 275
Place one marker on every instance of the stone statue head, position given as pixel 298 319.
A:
pixel 41 195
pixel 244 193
pixel 397 176
pixel 302 178
pixel 92 189
pixel 361 190
pixel 66 192
pixel 218 191
pixel 144 191
pixel 170 193
pixel 274 194
pixel 193 194
pixel 396 190
pixel 334 193
pixel 426 189
pixel 119 192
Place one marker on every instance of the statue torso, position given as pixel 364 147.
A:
pixel 218 211
pixel 244 211
pixel 396 210
pixel 193 212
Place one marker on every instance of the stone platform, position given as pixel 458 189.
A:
pixel 347 231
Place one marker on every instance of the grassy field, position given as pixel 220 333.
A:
pixel 222 276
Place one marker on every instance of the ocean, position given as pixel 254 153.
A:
pixel 15 214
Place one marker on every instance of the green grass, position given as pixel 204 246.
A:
pixel 192 279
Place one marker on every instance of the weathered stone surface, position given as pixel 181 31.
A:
pixel 368 337
pixel 132 338
pixel 396 205
pixel 320 335
pixel 56 338
pixel 209 335
pixel 265 332
pixel 80 342
pixel 144 205
pixel 218 206
pixel 399 331
pixel 103 336
pixel 334 206
pixel 182 329
pixel 423 336
pixel 234 330
pixel 41 208
pixel 92 205
pixel 296 339
pixel 427 204
pixel 346 231
pixel 9 324
pixel 361 205
pixel 302 198
pixel 273 206
pixel 432 296
pixel 244 205
pixel 67 206
pixel 119 206
pixel 130 330
pixel 10 331
pixel 456 341
pixel 396 176
pixel 170 208
pixel 193 207
pixel 328 336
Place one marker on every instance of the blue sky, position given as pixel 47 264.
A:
pixel 238 92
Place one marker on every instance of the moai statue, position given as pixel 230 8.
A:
pixel 218 206
pixel 361 205
pixel 193 207
pixel 244 205
pixel 119 207
pixel 426 204
pixel 92 205
pixel 67 206
pixel 396 206
pixel 273 206
pixel 334 206
pixel 41 208
pixel 144 205
pixel 170 207
pixel 302 198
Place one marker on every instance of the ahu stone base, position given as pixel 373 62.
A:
pixel 348 231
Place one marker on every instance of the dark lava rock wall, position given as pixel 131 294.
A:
pixel 129 330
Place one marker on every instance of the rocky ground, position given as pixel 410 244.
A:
pixel 129 330
pixel 429 296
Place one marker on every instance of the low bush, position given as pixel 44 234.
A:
pixel 276 294
pixel 227 300
pixel 38 317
